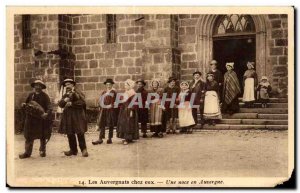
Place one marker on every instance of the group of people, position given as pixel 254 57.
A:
pixel 166 110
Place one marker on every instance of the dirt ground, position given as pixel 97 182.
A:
pixel 203 153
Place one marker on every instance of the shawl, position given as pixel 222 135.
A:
pixel 231 86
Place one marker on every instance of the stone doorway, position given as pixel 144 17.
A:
pixel 237 49
pixel 212 28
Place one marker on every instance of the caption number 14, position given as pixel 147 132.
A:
pixel 81 182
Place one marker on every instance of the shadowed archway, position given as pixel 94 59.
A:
pixel 205 28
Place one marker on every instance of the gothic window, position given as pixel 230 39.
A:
pixel 26 33
pixel 234 23
pixel 111 25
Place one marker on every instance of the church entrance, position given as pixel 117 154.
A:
pixel 234 40
pixel 239 50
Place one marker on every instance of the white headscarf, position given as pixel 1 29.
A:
pixel 251 64
pixel 131 85
pixel 155 80
pixel 231 64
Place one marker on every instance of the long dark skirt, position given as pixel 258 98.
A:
pixel 233 107
pixel 157 129
pixel 127 127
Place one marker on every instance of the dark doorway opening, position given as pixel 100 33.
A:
pixel 238 49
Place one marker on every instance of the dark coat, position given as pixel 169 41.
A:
pixel 127 127
pixel 218 76
pixel 212 86
pixel 73 118
pixel 143 112
pixel 34 127
pixel 199 90
pixel 108 116
pixel 170 112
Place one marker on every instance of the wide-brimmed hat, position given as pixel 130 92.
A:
pixel 172 79
pixel 251 64
pixel 141 81
pixel 68 80
pixel 109 80
pixel 213 62
pixel 231 64
pixel 197 72
pixel 40 82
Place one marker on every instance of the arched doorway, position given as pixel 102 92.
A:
pixel 207 24
pixel 234 40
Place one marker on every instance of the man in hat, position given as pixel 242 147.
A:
pixel 218 76
pixel 143 116
pixel 73 118
pixel 170 113
pixel 38 119
pixel 197 86
pixel 107 115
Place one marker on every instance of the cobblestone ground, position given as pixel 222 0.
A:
pixel 201 154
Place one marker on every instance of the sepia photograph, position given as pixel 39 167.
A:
pixel 150 97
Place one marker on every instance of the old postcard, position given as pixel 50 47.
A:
pixel 148 97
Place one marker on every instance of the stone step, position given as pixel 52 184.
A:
pixel 273 116
pixel 270 105
pixel 240 116
pixel 253 122
pixel 241 127
pixel 270 116
pixel 272 100
pixel 264 110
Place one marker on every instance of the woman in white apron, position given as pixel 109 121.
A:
pixel 186 119
pixel 212 111
pixel 156 110
pixel 250 84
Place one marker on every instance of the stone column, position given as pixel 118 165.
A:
pixel 161 56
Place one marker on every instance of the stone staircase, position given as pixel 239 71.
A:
pixel 275 117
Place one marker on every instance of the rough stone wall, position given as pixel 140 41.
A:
pixel 97 60
pixel 277 38
pixel 147 46
pixel 160 55
pixel 44 35
pixel 188 45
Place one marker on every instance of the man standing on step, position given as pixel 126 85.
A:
pixel 73 119
pixel 218 76
pixel 107 116
pixel 197 86
pixel 37 121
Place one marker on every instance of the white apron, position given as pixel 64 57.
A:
pixel 211 106
pixel 185 115
pixel 249 90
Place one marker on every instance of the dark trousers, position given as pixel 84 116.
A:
pixel 29 146
pixel 144 127
pixel 110 132
pixel 73 142
pixel 195 114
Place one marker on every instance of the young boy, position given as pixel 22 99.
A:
pixel 107 115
